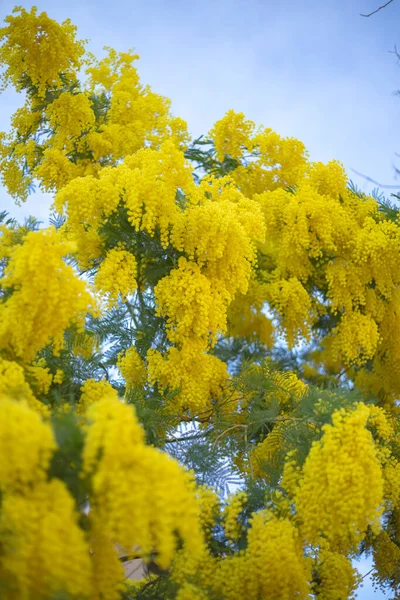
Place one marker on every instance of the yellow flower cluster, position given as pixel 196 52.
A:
pixel 217 230
pixel 40 376
pixel 146 184
pixel 87 202
pixel 245 315
pixel 89 126
pixel 26 441
pixel 45 290
pixel 213 235
pixel 231 135
pixel 234 506
pixel 326 243
pixel 44 551
pixel 108 572
pixel 199 378
pixel 270 161
pixel 336 576
pixel 194 306
pixel 386 559
pixel 141 501
pixel 38 48
pixel 382 421
pixel 141 497
pixel 293 303
pixel 93 391
pixel 356 339
pixel 209 502
pixel 340 493
pixel 132 367
pixel 273 565
pixel 137 117
pixel 69 116
pixel 116 275
pixel 188 591
pixel 13 383
pixel 55 170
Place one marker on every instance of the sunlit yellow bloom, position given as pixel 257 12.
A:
pixel 132 367
pixel 234 506
pixel 26 441
pixel 45 290
pixel 141 497
pixel 341 492
pixel 44 551
pixel 36 47
pixel 116 275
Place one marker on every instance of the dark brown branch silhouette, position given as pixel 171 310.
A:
pixel 377 10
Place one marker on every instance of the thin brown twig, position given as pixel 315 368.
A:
pixel 377 10
pixel 366 574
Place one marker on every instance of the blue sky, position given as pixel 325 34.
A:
pixel 314 70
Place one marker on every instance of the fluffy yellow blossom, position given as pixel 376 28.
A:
pixel 337 578
pixel 391 475
pixel 291 474
pixel 117 274
pixel 146 184
pixel 26 441
pixel 328 180
pixel 209 505
pixel 275 161
pixel 234 506
pixel 281 162
pixel 199 378
pixel 231 135
pixel 69 116
pixel 87 202
pixel 142 497
pixel 273 565
pixel 44 551
pixel 14 383
pixel 341 492
pixel 386 560
pixel 46 292
pixel 245 315
pixel 194 306
pixel 92 391
pixel 137 117
pixel 36 47
pixel 132 367
pixel 291 300
pixel 277 566
pixel 56 170
pixel 211 234
pixel 356 338
pixel 13 178
pixel 188 591
pixel 108 572
pixel 42 378
pixel 381 421
pixel 58 377
pixel 151 179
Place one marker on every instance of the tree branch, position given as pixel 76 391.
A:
pixel 388 187
pixel 377 10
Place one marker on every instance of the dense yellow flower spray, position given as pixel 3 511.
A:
pixel 149 348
